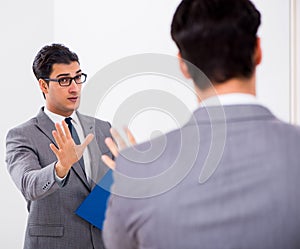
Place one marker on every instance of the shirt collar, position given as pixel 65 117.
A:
pixel 56 118
pixel 230 99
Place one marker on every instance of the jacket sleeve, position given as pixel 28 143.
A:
pixel 33 180
pixel 116 232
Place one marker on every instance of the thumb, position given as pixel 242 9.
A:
pixel 87 140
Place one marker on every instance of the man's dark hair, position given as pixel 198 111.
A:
pixel 218 37
pixel 49 55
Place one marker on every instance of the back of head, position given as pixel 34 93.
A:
pixel 49 55
pixel 218 37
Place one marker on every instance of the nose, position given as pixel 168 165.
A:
pixel 74 87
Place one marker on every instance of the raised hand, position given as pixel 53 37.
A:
pixel 67 152
pixel 116 145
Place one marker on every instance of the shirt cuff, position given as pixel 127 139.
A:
pixel 60 181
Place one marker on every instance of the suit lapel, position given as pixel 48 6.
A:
pixel 76 167
pixel 88 126
pixel 98 169
pixel 79 172
pixel 45 125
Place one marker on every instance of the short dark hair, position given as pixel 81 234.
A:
pixel 49 55
pixel 218 37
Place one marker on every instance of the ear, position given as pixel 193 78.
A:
pixel 183 67
pixel 258 52
pixel 43 86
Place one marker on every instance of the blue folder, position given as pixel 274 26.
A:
pixel 93 208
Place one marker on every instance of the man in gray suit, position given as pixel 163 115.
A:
pixel 48 167
pixel 240 165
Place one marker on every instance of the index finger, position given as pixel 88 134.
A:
pixel 58 135
pixel 87 140
pixel 66 130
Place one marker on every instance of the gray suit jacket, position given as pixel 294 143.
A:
pixel 252 200
pixel 52 223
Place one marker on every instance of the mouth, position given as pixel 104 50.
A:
pixel 73 99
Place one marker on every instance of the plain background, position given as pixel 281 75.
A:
pixel 101 32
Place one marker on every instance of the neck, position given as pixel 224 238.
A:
pixel 59 112
pixel 246 86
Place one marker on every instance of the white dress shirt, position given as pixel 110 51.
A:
pixel 230 99
pixel 55 118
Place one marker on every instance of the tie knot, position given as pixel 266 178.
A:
pixel 69 123
pixel 68 120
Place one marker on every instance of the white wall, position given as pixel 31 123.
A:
pixel 102 32
pixel 273 86
pixel 25 27
pixel 296 59
pixel 116 29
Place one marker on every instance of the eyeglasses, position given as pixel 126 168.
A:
pixel 66 81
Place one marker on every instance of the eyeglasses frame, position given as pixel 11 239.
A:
pixel 70 80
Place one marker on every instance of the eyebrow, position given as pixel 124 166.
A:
pixel 67 74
